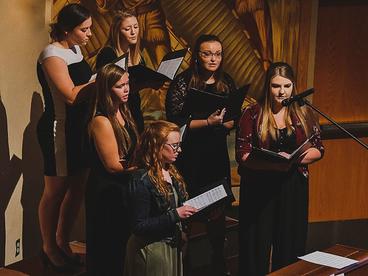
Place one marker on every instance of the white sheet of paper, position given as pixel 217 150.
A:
pixel 182 131
pixel 121 63
pixel 207 198
pixel 328 259
pixel 169 67
pixel 93 77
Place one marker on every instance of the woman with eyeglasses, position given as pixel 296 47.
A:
pixel 157 205
pixel 113 136
pixel 205 158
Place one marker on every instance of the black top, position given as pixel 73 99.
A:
pixel 153 216
pixel 107 55
pixel 204 158
pixel 284 142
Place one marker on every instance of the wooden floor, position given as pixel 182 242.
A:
pixel 198 247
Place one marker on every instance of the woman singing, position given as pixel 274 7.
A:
pixel 273 204
pixel 205 158
pixel 63 73
pixel 113 137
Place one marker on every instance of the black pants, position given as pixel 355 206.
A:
pixel 273 214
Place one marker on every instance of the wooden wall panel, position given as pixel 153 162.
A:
pixel 341 72
pixel 339 182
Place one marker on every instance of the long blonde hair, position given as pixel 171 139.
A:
pixel 148 155
pixel 266 123
pixel 114 38
pixel 104 103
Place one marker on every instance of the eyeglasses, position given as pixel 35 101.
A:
pixel 175 146
pixel 208 54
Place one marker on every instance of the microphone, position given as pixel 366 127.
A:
pixel 297 97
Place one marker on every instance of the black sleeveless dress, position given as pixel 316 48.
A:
pixel 107 216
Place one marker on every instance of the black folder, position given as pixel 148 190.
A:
pixel 263 159
pixel 166 71
pixel 200 104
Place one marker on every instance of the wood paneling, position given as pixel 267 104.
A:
pixel 338 186
pixel 338 183
pixel 341 75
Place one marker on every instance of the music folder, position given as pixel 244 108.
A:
pixel 264 159
pixel 200 104
pixel 166 71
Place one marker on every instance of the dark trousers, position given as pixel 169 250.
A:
pixel 273 215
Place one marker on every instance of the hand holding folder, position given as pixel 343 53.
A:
pixel 264 159
pixel 200 104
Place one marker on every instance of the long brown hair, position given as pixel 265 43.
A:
pixel 266 122
pixel 114 38
pixel 104 103
pixel 196 80
pixel 148 155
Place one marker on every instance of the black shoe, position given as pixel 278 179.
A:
pixel 73 260
pixel 65 268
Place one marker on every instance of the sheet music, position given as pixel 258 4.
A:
pixel 169 67
pixel 203 200
pixel 182 132
pixel 328 259
pixel 93 77
pixel 121 63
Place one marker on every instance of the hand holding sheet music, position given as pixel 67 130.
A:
pixel 207 198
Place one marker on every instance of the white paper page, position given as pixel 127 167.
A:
pixel 121 63
pixel 328 259
pixel 203 200
pixel 182 131
pixel 169 67
pixel 93 77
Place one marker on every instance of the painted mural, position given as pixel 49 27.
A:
pixel 252 31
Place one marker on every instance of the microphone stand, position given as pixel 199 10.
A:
pixel 302 102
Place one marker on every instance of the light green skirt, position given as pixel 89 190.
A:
pixel 152 259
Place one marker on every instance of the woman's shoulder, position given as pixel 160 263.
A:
pixel 229 81
pixel 252 108
pixel 100 123
pixel 70 56
pixel 106 55
pixel 106 50
pixel 184 76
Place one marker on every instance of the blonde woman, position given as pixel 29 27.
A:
pixel 124 38
pixel 274 205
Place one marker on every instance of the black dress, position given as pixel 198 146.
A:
pixel 107 216
pixel 107 55
pixel 61 128
pixel 204 158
